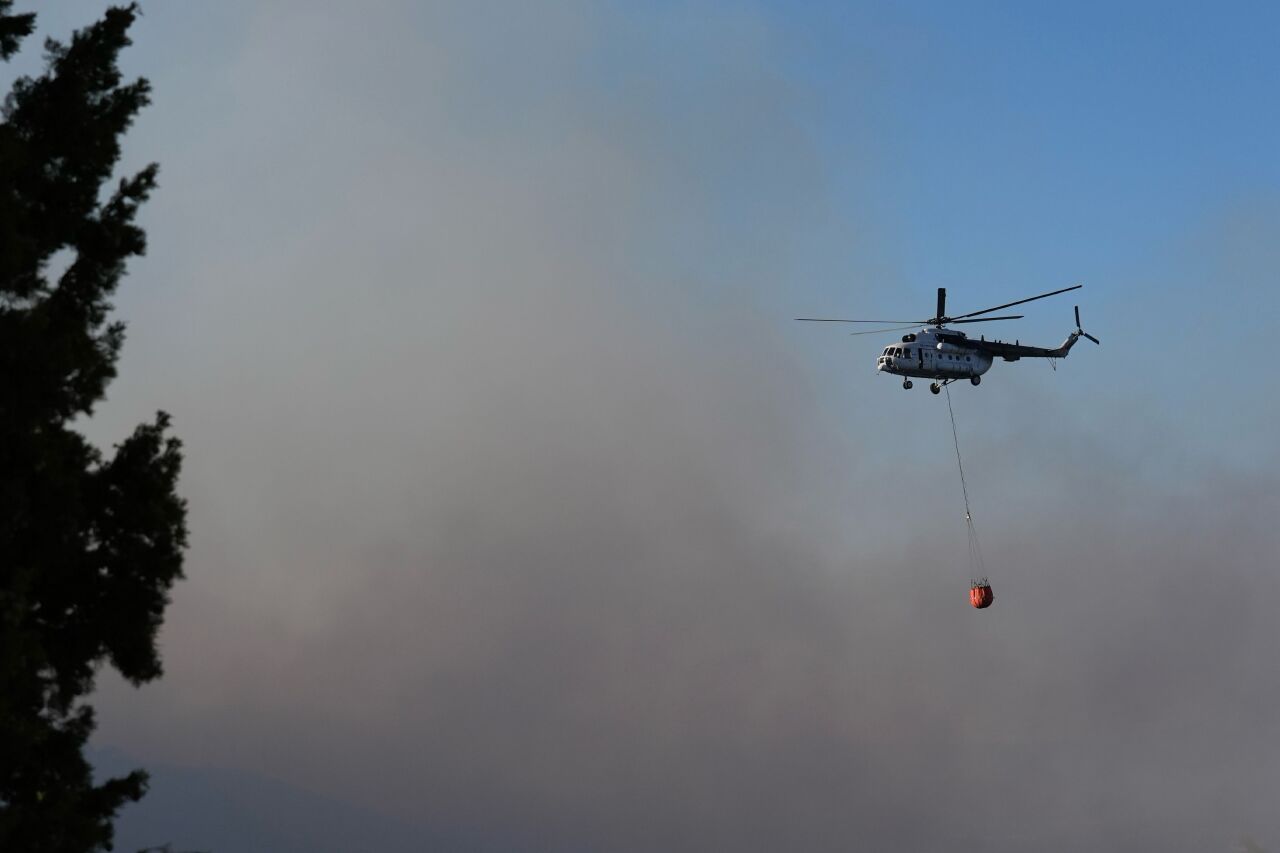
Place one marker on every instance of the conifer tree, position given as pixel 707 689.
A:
pixel 90 542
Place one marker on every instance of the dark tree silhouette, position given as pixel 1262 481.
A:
pixel 89 544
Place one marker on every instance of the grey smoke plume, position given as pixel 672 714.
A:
pixel 518 509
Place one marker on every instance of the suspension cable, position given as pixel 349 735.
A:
pixel 976 566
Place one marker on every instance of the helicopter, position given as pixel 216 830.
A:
pixel 945 355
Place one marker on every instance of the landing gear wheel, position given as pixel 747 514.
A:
pixel 935 388
pixel 906 383
pixel 975 379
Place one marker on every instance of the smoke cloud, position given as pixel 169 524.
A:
pixel 519 511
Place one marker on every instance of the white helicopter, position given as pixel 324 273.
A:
pixel 945 356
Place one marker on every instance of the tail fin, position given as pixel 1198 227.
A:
pixel 1081 332
pixel 1061 352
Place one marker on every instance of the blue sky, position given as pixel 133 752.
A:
pixel 1084 135
pixel 1006 149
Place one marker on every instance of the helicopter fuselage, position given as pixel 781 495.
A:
pixel 924 355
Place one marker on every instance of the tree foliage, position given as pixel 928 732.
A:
pixel 90 543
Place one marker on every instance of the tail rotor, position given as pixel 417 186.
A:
pixel 1080 331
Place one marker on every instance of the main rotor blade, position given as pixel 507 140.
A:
pixel 891 322
pixel 1019 302
pixel 894 329
pixel 989 319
